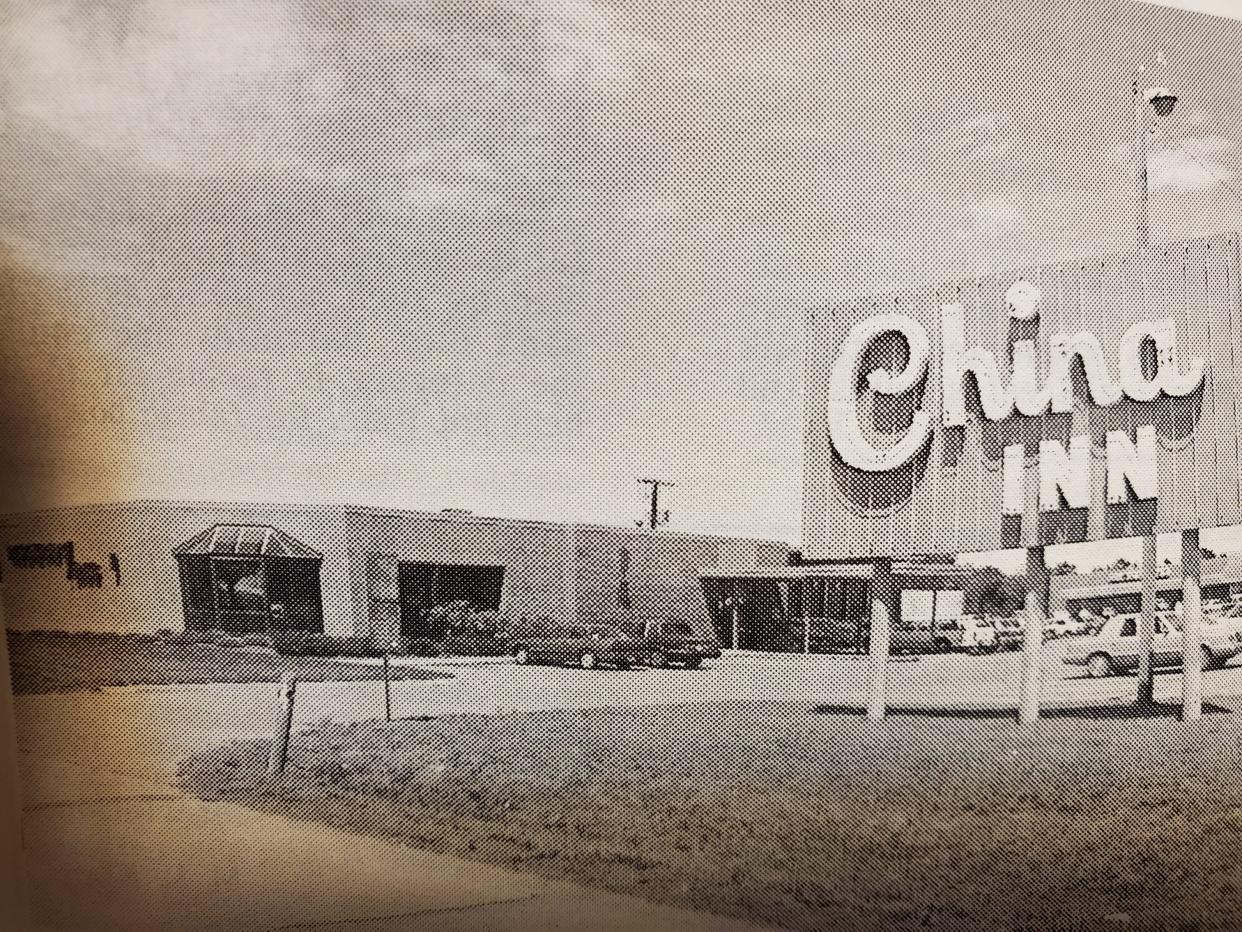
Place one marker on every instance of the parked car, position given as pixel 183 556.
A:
pixel 586 645
pixel 917 638
pixel 1225 619
pixel 1116 649
pixel 674 640
pixel 839 635
pixel 1059 626
pixel 969 633
pixel 1009 633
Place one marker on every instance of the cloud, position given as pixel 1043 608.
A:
pixel 1194 165
pixel 172 83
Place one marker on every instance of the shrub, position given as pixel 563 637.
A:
pixel 316 644
pixel 326 645
pixel 475 644
pixel 421 647
pixel 290 643
pixel 257 640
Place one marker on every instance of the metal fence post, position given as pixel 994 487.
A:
pixel 284 724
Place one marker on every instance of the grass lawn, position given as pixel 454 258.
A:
pixel 806 819
pixel 44 662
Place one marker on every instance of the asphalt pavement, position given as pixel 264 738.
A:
pixel 113 844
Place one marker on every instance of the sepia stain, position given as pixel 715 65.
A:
pixel 62 417
pixel 63 438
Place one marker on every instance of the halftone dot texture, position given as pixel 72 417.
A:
pixel 368 261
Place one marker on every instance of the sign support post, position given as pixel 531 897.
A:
pixel 1147 622
pixel 881 599
pixel 1037 584
pixel 1192 622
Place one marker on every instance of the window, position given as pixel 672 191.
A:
pixel 1127 628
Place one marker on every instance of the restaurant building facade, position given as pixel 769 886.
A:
pixel 143 566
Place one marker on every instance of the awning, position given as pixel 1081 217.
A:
pixel 246 540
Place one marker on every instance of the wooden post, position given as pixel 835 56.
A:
pixel 1192 625
pixel 387 692
pixel 881 599
pixel 284 724
pixel 1033 634
pixel 1147 621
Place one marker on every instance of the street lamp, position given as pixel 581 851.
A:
pixel 1162 101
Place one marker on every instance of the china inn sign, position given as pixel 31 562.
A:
pixel 1073 402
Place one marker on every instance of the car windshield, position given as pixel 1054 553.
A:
pixel 678 629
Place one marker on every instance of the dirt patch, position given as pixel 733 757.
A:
pixel 46 663
pixel 774 812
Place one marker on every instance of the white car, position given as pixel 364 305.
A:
pixel 970 633
pixel 1115 649
pixel 1227 620
pixel 1059 626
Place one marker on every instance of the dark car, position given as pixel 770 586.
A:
pixel 918 638
pixel 838 635
pixel 674 640
pixel 580 643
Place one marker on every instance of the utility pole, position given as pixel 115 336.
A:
pixel 1161 101
pixel 653 517
pixel 1141 130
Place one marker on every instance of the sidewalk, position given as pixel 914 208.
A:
pixel 110 851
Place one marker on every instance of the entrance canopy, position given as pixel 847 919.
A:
pixel 816 608
pixel 245 540
pixel 249 577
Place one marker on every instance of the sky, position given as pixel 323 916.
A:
pixel 511 256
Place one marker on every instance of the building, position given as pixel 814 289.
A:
pixel 824 607
pixel 1112 592
pixel 143 566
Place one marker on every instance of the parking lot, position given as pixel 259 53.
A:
pixel 148 729
pixel 494 728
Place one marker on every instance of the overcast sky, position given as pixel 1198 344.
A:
pixel 510 256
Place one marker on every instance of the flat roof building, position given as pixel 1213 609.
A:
pixel 347 570
pixel 1119 592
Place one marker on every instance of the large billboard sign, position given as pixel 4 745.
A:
pixel 1073 402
